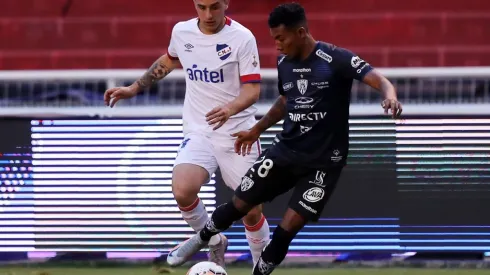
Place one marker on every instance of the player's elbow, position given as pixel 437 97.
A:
pixel 171 62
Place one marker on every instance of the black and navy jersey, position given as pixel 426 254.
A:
pixel 316 128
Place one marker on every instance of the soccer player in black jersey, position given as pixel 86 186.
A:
pixel 315 80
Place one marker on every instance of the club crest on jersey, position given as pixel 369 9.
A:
pixel 302 85
pixel 223 50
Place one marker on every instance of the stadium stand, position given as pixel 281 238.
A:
pixel 81 34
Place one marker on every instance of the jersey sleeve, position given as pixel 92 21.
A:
pixel 349 64
pixel 249 63
pixel 279 86
pixel 172 49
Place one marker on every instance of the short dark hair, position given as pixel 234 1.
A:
pixel 290 15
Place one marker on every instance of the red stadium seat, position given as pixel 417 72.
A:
pixel 26 62
pixel 130 8
pixel 367 6
pixel 383 31
pixel 88 34
pixel 466 31
pixel 99 33
pixel 468 57
pixel 142 34
pixel 413 58
pixel 29 34
pixel 31 8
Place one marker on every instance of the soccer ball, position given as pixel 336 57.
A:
pixel 206 268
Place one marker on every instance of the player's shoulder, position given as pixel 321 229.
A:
pixel 243 32
pixel 327 51
pixel 330 51
pixel 187 25
pixel 336 55
pixel 280 59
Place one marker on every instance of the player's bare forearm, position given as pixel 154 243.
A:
pixel 158 70
pixel 275 114
pixel 248 96
pixel 376 80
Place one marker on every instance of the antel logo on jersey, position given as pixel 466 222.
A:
pixel 223 50
pixel 196 74
pixel 313 116
pixel 313 194
pixel 288 86
pixel 323 55
pixel 356 61
pixel 302 70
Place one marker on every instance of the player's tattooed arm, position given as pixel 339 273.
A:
pixel 158 70
pixel 376 80
pixel 275 114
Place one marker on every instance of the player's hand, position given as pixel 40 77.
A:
pixel 245 140
pixel 113 95
pixel 218 115
pixel 394 106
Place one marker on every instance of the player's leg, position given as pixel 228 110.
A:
pixel 194 165
pixel 233 167
pixel 263 182
pixel 307 202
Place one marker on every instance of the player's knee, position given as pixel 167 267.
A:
pixel 241 205
pixel 253 216
pixel 187 180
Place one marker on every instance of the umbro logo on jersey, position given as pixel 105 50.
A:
pixel 223 50
pixel 188 46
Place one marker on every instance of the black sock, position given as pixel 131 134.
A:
pixel 221 219
pixel 275 252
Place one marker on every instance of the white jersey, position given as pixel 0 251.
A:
pixel 216 66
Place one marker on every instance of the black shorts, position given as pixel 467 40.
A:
pixel 271 176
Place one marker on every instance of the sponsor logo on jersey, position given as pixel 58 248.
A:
pixel 313 116
pixel 320 85
pixel 356 61
pixel 362 68
pixel 313 194
pixel 304 100
pixel 188 47
pixel 323 55
pixel 304 129
pixel 302 70
pixel 304 103
pixel 307 208
pixel 205 75
pixel 287 86
pixel 223 50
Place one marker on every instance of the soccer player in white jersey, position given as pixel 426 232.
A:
pixel 221 60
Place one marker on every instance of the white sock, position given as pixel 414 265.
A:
pixel 196 216
pixel 257 236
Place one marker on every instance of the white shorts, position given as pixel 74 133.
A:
pixel 210 154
